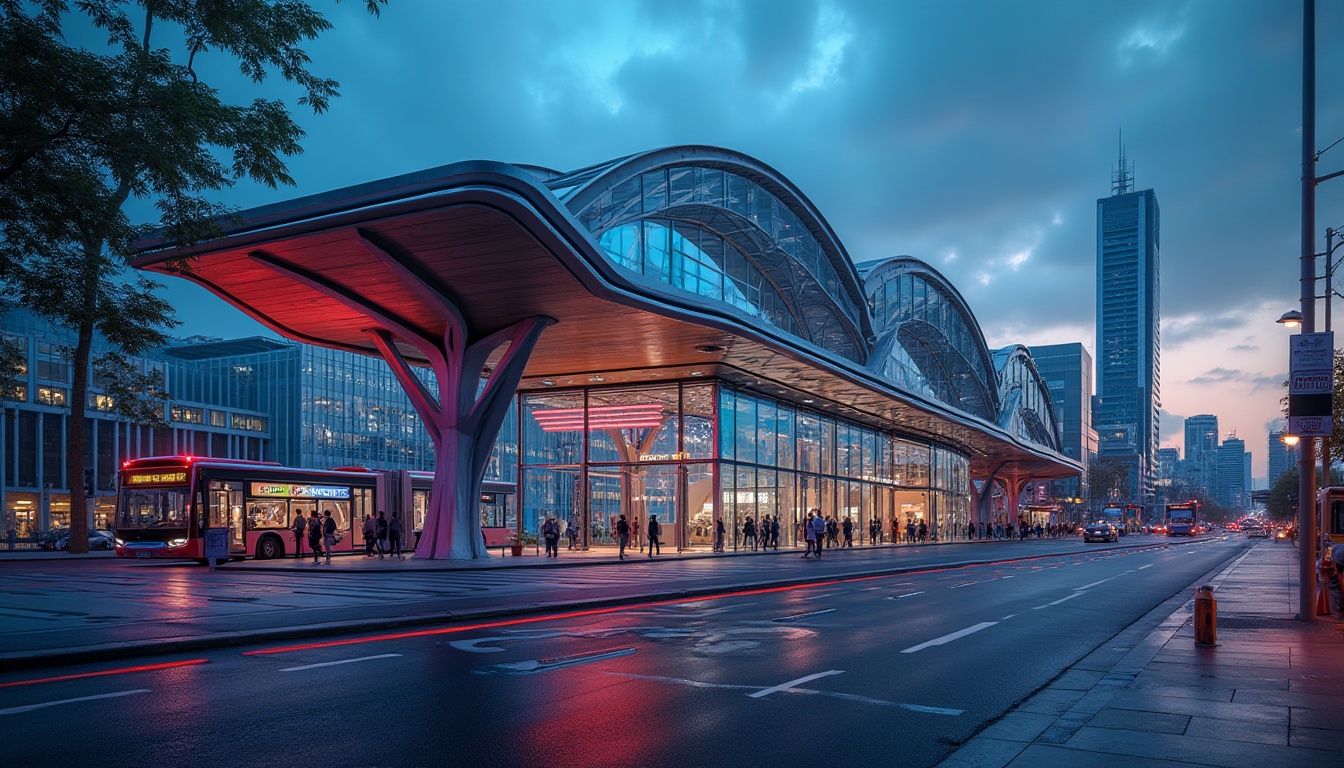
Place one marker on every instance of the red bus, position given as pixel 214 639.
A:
pixel 165 503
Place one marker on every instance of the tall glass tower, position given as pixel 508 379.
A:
pixel 1128 345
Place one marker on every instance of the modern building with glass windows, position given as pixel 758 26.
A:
pixel 1281 456
pixel 1066 370
pixel 208 420
pixel 1128 321
pixel 701 346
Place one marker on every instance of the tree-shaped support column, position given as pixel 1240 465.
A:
pixel 462 424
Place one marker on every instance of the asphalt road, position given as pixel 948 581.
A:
pixel 886 670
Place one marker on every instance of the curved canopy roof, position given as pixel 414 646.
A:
pixel 655 266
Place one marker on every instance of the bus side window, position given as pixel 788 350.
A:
pixel 1336 518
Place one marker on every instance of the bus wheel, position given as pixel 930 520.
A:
pixel 269 548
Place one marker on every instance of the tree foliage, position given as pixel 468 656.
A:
pixel 1107 479
pixel 84 130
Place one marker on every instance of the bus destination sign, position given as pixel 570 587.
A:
pixel 177 477
pixel 301 491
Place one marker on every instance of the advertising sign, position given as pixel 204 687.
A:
pixel 1311 351
pixel 1311 426
pixel 1311 362
pixel 216 545
pixel 301 491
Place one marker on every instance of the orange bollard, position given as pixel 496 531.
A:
pixel 1206 617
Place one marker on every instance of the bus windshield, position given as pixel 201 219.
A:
pixel 1180 515
pixel 153 508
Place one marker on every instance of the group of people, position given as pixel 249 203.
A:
pixel 624 529
pixel 322 535
pixel 383 535
pixel 764 534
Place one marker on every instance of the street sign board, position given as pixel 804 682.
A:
pixel 1310 426
pixel 1310 382
pixel 216 545
pixel 1311 351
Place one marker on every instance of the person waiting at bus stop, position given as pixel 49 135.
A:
pixel 300 529
pixel 315 535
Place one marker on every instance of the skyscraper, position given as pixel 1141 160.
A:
pixel 1234 482
pixel 1128 344
pixel 1201 451
pixel 1282 456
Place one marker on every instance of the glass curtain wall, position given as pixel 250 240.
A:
pixel 589 456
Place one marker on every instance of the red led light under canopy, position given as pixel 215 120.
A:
pixel 641 416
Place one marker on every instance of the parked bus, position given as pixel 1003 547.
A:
pixel 164 505
pixel 1182 518
pixel 1331 502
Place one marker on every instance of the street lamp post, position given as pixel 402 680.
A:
pixel 1306 459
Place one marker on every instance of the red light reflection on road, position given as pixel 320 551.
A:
pixel 634 606
pixel 122 671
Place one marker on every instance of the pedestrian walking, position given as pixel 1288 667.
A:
pixel 328 534
pixel 380 526
pixel 718 534
pixel 923 531
pixel 394 536
pixel 572 532
pixel 910 532
pixel 655 530
pixel 622 535
pixel 810 536
pixel 970 531
pixel 300 529
pixel 848 528
pixel 749 534
pixel 774 533
pixel 550 533
pixel 873 528
pixel 819 530
pixel 315 535
pixel 370 536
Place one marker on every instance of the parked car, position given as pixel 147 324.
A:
pixel 1257 532
pixel 1100 531
pixel 98 539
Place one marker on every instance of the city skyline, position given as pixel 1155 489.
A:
pixel 909 146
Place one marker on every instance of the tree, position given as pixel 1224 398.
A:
pixel 82 132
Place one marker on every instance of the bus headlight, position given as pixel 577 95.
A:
pixel 177 543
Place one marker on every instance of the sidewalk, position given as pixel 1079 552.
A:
pixel 1268 695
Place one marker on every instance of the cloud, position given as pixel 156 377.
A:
pixel 1221 376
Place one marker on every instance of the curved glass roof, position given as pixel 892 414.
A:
pixel 725 228
pixel 1028 410
pixel 917 311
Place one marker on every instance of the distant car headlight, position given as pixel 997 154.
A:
pixel 177 542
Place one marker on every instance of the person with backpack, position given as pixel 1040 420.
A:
pixel 655 530
pixel 300 529
pixel 315 535
pixel 329 534
pixel 380 525
pixel 370 536
pixel 550 533
pixel 818 531
pixel 622 536
pixel 394 536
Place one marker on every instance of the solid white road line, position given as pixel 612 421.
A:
pixel 342 661
pixel 949 638
pixel 786 686
pixel 31 707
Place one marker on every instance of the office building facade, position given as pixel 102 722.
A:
pixel 1066 370
pixel 1128 339
pixel 1234 474
pixel 1281 456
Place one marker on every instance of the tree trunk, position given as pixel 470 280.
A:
pixel 74 441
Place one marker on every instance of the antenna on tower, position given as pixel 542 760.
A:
pixel 1123 177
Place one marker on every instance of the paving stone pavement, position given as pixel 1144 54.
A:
pixel 1271 693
